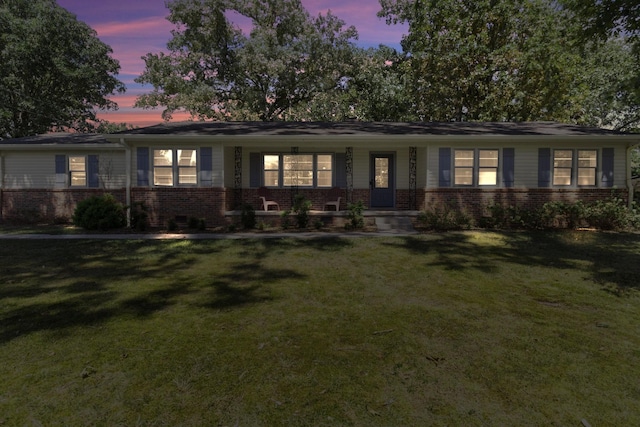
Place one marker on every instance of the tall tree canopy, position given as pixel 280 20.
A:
pixel 214 70
pixel 487 59
pixel 54 71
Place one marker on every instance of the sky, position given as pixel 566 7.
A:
pixel 134 28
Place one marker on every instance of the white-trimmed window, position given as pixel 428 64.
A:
pixel 78 171
pixel 562 167
pixel 567 172
pixel 475 167
pixel 175 167
pixel 298 170
pixel 587 167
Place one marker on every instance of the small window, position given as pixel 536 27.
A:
pixel 175 167
pixel 488 167
pixel 587 165
pixel 324 170
pixel 163 167
pixel 271 170
pixel 562 167
pixel 463 167
pixel 187 172
pixel 78 171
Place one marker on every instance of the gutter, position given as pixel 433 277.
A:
pixel 629 180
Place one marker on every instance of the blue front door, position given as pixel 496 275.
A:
pixel 382 180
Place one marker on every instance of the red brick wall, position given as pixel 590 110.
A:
pixel 164 204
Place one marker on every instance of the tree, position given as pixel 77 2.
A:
pixel 214 70
pixel 487 59
pixel 54 70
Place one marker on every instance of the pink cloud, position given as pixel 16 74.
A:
pixel 137 28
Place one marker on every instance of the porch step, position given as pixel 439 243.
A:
pixel 394 224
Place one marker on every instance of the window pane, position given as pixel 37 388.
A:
pixel 163 176
pixel 382 172
pixel 271 178
pixel 162 157
pixel 325 162
pixel 77 163
pixel 271 162
pixel 324 178
pixel 587 176
pixel 293 177
pixel 562 158
pixel 464 158
pixel 562 176
pixel 488 158
pixel 587 158
pixel 298 162
pixel 186 157
pixel 187 176
pixel 488 176
pixel 78 179
pixel 464 176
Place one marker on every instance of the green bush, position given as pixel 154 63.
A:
pixel 139 216
pixel 612 214
pixel 248 217
pixel 445 217
pixel 355 215
pixel 301 207
pixel 99 213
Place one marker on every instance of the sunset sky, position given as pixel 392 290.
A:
pixel 134 28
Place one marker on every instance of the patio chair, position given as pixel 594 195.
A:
pixel 265 196
pixel 335 195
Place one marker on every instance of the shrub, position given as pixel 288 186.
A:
pixel 172 225
pixel 612 214
pixel 99 213
pixel 445 217
pixel 139 216
pixel 192 223
pixel 355 215
pixel 285 221
pixel 301 207
pixel 248 217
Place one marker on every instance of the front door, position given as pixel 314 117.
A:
pixel 382 180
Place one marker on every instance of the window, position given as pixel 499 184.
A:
pixel 473 167
pixel 174 167
pixel 78 171
pixel 587 165
pixel 303 170
pixel 562 167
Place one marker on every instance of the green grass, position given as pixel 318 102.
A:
pixel 473 328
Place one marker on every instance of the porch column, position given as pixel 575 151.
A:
pixel 237 177
pixel 349 167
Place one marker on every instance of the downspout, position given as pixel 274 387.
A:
pixel 629 180
pixel 127 162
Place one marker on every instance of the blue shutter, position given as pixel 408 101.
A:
pixel 61 164
pixel 143 166
pixel 93 178
pixel 508 166
pixel 255 170
pixel 444 170
pixel 206 166
pixel 607 167
pixel 341 170
pixel 544 167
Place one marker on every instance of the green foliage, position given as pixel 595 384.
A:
pixel 610 214
pixel 139 216
pixel 172 225
pixel 301 208
pixel 355 215
pixel 285 219
pixel 444 218
pixel 99 213
pixel 248 217
pixel 55 72
pixel 214 70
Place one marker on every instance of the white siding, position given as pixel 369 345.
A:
pixel 29 170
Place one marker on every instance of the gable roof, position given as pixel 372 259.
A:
pixel 59 138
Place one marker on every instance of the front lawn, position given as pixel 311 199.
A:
pixel 473 328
